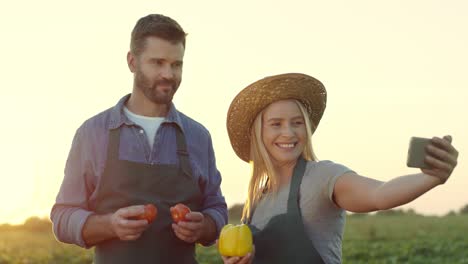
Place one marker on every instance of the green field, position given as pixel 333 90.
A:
pixel 368 239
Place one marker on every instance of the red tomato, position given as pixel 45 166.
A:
pixel 150 213
pixel 178 212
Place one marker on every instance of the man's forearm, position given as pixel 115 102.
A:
pixel 97 229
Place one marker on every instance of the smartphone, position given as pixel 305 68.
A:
pixel 417 152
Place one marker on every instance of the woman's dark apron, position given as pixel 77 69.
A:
pixel 284 238
pixel 126 183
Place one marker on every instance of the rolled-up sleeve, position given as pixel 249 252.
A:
pixel 70 210
pixel 214 202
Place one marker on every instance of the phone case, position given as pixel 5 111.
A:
pixel 417 152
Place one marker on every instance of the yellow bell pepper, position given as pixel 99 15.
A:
pixel 235 240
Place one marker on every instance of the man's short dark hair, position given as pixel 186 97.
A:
pixel 155 25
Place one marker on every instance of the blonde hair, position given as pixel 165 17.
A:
pixel 263 174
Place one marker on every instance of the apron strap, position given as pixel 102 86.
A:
pixel 182 152
pixel 113 145
pixel 293 199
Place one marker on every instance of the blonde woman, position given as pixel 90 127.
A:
pixel 296 205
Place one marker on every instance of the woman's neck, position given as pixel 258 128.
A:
pixel 285 172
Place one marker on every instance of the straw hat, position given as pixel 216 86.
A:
pixel 258 95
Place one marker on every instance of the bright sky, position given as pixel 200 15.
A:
pixel 393 69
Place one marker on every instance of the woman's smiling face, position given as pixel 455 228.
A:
pixel 283 132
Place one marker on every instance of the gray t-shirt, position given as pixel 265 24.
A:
pixel 323 219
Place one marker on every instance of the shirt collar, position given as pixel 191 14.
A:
pixel 118 118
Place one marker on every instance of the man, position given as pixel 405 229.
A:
pixel 138 152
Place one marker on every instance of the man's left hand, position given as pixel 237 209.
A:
pixel 197 228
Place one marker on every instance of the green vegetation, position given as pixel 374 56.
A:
pixel 406 239
pixel 22 246
pixel 393 236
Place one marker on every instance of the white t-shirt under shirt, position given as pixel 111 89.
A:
pixel 323 219
pixel 149 124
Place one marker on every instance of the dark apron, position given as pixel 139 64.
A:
pixel 284 239
pixel 126 183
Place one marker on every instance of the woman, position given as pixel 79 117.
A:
pixel 296 205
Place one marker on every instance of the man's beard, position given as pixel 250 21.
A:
pixel 150 90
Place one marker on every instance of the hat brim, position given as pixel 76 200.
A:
pixel 254 98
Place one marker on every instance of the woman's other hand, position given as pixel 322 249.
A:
pixel 441 157
pixel 247 259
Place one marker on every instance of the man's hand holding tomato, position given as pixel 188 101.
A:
pixel 120 224
pixel 127 223
pixel 192 227
pixel 149 214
